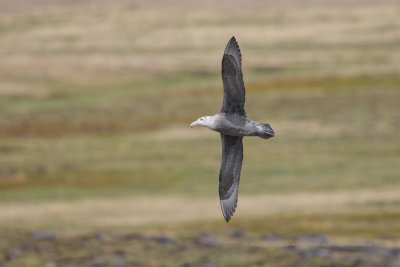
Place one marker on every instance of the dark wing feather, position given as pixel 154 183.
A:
pixel 234 91
pixel 229 175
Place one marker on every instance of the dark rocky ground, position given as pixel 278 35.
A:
pixel 200 249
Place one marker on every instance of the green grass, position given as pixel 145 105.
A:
pixel 350 136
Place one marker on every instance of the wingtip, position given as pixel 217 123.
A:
pixel 232 43
pixel 227 214
pixel 227 219
pixel 229 205
pixel 232 48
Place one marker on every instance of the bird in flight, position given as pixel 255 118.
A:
pixel 232 123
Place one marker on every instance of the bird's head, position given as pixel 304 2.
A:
pixel 205 121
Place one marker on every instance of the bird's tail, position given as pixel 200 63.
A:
pixel 265 131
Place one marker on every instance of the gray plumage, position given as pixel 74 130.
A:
pixel 232 123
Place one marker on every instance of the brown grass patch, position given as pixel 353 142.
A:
pixel 142 210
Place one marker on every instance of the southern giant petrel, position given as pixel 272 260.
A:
pixel 232 123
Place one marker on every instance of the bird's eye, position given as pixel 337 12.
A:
pixel 201 119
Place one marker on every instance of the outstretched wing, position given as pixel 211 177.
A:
pixel 229 175
pixel 234 91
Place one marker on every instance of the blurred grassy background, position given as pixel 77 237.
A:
pixel 96 100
